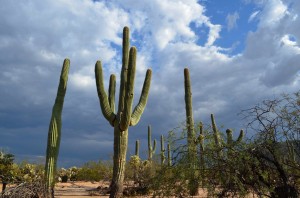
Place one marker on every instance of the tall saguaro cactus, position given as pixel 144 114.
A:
pixel 191 139
pixel 189 114
pixel 151 150
pixel 54 132
pixel 124 117
pixel 162 150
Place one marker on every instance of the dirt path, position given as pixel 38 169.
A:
pixel 79 189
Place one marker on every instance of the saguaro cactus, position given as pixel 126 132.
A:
pixel 162 150
pixel 189 115
pixel 124 117
pixel 201 143
pixel 137 148
pixel 217 137
pixel 169 155
pixel 218 140
pixel 54 132
pixel 230 142
pixel 151 150
pixel 191 140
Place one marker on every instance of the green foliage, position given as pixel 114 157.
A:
pixel 28 172
pixel 276 145
pixel 141 173
pixel 7 173
pixel 93 171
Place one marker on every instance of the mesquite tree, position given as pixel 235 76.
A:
pixel 124 117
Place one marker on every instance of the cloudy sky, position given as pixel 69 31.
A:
pixel 238 52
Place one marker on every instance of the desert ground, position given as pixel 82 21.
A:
pixel 94 189
pixel 82 189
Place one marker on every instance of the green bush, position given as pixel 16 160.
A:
pixel 94 171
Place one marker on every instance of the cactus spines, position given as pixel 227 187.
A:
pixel 124 117
pixel 151 150
pixel 137 147
pixel 162 150
pixel 54 133
pixel 169 155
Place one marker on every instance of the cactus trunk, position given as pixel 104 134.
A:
pixel 125 117
pixel 169 155
pixel 54 133
pixel 202 162
pixel 191 140
pixel 119 159
pixel 162 150
pixel 137 148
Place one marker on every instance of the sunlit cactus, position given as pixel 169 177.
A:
pixel 124 117
pixel 54 133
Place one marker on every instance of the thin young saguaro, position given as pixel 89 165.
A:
pixel 124 117
pixel 54 133
pixel 151 150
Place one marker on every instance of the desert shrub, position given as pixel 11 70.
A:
pixel 220 174
pixel 172 180
pixel 7 169
pixel 28 172
pixel 276 144
pixel 94 171
pixel 138 175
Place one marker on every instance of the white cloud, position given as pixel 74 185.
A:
pixel 80 81
pixel 274 11
pixel 253 16
pixel 231 20
pixel 288 40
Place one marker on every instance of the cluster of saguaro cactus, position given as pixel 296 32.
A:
pixel 54 132
pixel 124 117
pixel 221 143
pixel 151 149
